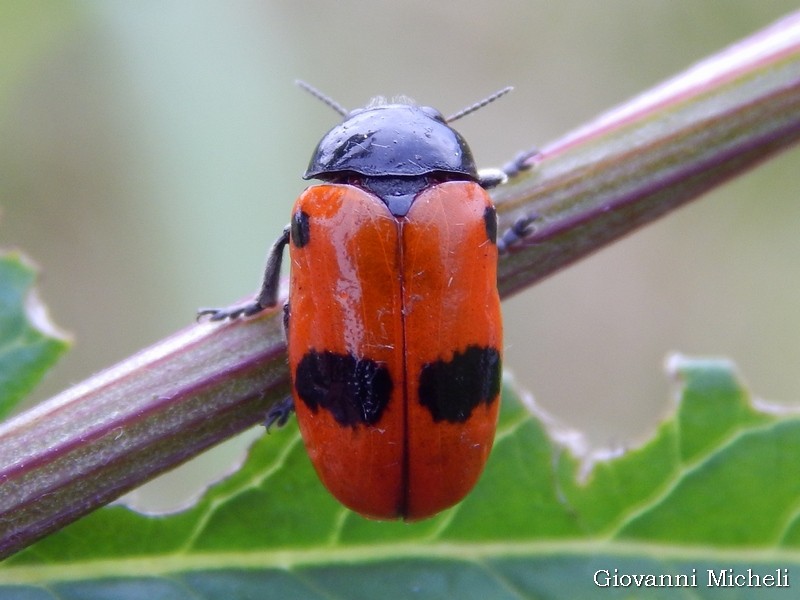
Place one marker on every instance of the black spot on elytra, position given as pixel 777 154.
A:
pixel 355 391
pixel 300 229
pixel 490 220
pixel 450 390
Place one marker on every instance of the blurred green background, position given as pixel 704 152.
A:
pixel 151 151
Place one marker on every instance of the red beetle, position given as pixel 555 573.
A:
pixel 393 320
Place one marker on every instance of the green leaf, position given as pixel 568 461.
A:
pixel 29 343
pixel 714 490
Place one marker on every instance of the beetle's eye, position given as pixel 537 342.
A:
pixel 432 113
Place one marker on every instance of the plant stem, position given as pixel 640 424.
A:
pixel 155 410
pixel 655 153
pixel 123 426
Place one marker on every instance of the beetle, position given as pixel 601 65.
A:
pixel 393 320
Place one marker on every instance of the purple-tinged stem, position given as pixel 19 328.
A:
pixel 153 411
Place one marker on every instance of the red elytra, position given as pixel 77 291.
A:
pixel 403 293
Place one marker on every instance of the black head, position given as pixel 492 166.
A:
pixel 392 140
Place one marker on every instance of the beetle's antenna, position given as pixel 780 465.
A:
pixel 471 109
pixel 320 96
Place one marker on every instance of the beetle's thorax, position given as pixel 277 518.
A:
pixel 393 150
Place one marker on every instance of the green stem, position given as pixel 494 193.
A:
pixel 161 407
pixel 655 153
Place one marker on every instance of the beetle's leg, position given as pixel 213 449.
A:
pixel 521 228
pixel 489 178
pixel 519 163
pixel 267 296
pixel 279 413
